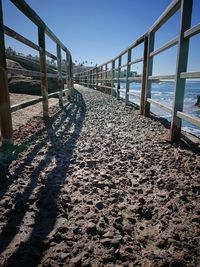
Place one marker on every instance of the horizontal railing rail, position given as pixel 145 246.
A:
pixel 101 77
pixel 58 73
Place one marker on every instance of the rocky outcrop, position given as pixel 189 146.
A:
pixel 24 84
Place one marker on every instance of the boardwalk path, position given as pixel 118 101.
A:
pixel 97 185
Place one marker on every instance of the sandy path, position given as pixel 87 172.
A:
pixel 21 117
pixel 97 186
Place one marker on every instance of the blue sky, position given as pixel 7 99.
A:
pixel 97 30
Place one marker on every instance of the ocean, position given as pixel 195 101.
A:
pixel 164 92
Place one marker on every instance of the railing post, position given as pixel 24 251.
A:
pixel 5 111
pixel 71 73
pixel 92 79
pixel 59 67
pixel 149 70
pixel 97 77
pixel 68 74
pixel 67 70
pixel 128 68
pixel 86 78
pixel 105 78
pixel 118 76
pixel 101 77
pixel 144 73
pixel 113 92
pixel 90 82
pixel 89 78
pixel 43 71
pixel 182 59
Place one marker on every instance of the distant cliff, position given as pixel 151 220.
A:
pixel 24 84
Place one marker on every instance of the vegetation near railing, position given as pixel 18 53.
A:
pixel 5 108
pixel 102 77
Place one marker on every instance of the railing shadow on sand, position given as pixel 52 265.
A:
pixel 62 133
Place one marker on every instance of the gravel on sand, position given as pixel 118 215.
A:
pixel 97 185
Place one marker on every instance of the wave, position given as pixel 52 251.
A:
pixel 164 93
pixel 192 130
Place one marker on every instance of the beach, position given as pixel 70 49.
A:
pixel 163 92
pixel 98 185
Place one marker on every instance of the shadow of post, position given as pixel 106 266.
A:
pixel 8 154
pixel 63 137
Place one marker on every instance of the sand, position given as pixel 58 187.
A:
pixel 21 117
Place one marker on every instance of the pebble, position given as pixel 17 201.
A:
pixel 162 244
pixel 77 230
pixel 91 228
pixel 99 205
pixel 106 242
pixel 76 262
pixel 108 234
pixel 98 182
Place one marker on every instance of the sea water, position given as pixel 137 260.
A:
pixel 164 93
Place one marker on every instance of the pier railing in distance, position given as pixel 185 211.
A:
pixel 102 77
pixel 5 108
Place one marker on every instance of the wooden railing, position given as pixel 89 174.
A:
pixel 102 77
pixel 5 108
